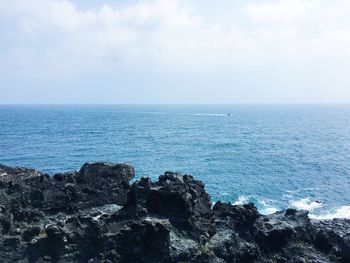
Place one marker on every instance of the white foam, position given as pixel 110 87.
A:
pixel 268 210
pixel 342 212
pixel 264 207
pixel 306 204
pixel 242 199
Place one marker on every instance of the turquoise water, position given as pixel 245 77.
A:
pixel 276 156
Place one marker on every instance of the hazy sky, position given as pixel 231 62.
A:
pixel 174 51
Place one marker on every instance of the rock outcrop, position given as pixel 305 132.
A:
pixel 94 215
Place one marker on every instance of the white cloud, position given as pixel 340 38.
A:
pixel 172 34
pixel 286 11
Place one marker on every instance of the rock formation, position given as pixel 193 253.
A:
pixel 94 215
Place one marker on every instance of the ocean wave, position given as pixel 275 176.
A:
pixel 314 208
pixel 242 199
pixel 342 212
pixel 306 204
pixel 268 210
pixel 266 207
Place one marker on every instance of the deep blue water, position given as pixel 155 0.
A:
pixel 274 155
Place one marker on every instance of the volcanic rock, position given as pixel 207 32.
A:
pixel 94 215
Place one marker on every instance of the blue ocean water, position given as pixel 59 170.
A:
pixel 277 156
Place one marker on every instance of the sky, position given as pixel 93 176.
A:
pixel 174 51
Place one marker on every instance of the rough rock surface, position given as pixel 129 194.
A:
pixel 94 215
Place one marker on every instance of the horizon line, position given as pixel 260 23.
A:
pixel 174 103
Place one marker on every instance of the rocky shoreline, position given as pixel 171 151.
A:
pixel 95 215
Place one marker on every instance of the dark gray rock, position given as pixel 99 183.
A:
pixel 345 248
pixel 276 230
pixel 332 237
pixel 94 215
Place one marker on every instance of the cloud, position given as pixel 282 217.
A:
pixel 286 12
pixel 305 28
pixel 56 36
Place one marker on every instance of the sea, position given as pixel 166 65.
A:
pixel 276 156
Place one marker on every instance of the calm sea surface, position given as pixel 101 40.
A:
pixel 275 156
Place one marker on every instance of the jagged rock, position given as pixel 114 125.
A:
pixel 345 248
pixel 274 231
pixel 53 232
pixel 30 192
pixel 332 237
pixel 180 247
pixel 31 232
pixel 179 198
pixel 241 218
pixel 94 215
pixel 119 172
